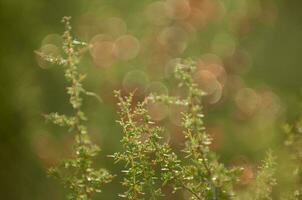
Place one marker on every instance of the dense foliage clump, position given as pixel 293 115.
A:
pixel 150 164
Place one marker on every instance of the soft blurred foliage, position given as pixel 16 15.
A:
pixel 249 62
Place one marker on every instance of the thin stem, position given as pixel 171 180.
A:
pixel 191 191
pixel 205 164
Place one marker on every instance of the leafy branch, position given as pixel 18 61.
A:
pixel 77 173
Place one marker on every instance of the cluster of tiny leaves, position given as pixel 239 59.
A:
pixel 77 173
pixel 150 163
pixel 293 143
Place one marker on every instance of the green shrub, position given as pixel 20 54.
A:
pixel 150 165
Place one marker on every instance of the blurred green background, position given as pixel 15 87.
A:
pixel 254 45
